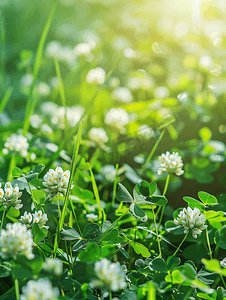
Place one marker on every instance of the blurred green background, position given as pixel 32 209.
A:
pixel 177 46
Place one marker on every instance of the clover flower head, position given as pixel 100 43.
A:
pixel 56 181
pixel 36 121
pixel 109 172
pixel 161 92
pixel 10 196
pixel 73 115
pixel 145 131
pixel 117 117
pixel 16 144
pixel 26 80
pixel 98 136
pixel 205 62
pixel 122 94
pixel 110 276
pixel 135 83
pixel 114 82
pixel 53 266
pixel 82 49
pixel 39 290
pixel 53 49
pixel 67 54
pixel 26 218
pixel 96 76
pixel 16 239
pixel 39 218
pixel 191 219
pixel 170 163
pixel 44 89
pixel 49 108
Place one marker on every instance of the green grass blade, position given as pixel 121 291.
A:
pixel 73 163
pixel 5 99
pixel 115 186
pixel 37 64
pixel 153 150
pixel 96 194
pixel 62 91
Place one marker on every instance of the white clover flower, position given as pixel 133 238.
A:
pixel 206 62
pixel 10 196
pixel 16 144
pixel 39 290
pixel 114 82
pixel 46 129
pixel 82 49
pixel 191 219
pixel 135 83
pixel 73 114
pixel 16 239
pixel 223 263
pixel 53 266
pixel 26 218
pixel 170 163
pixel 122 94
pixel 36 121
pixel 92 216
pixel 53 49
pixel 130 53
pixel 54 82
pixel 49 108
pixel 27 80
pixel 44 89
pixel 109 172
pixel 145 131
pixel 67 55
pixel 98 136
pixel 40 219
pixel 110 276
pixel 161 92
pixel 56 181
pixel 96 76
pixel 33 156
pixel 117 117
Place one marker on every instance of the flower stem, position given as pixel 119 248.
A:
pixel 160 253
pixel 181 243
pixel 115 186
pixel 216 250
pixel 164 192
pixel 166 184
pixel 12 164
pixel 110 295
pixel 3 216
pixel 153 151
pixel 17 289
pixel 208 243
pixel 32 198
pixel 58 203
pixel 223 281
